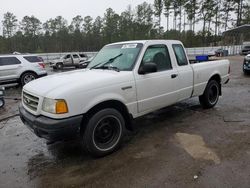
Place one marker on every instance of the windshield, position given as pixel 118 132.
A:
pixel 126 56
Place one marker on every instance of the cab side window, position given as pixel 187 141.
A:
pixel 67 57
pixel 159 55
pixel 180 55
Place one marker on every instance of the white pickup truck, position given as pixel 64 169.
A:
pixel 124 81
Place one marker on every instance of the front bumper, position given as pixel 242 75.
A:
pixel 51 129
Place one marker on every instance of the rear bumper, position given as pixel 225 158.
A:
pixel 42 75
pixel 51 129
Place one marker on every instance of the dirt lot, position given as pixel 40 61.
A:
pixel 180 146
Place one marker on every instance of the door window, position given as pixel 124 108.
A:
pixel 180 55
pixel 75 56
pixel 67 57
pixel 159 55
pixel 9 61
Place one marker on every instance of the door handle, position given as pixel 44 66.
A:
pixel 174 75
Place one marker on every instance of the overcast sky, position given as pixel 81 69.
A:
pixel 45 9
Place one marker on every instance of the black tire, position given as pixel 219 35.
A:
pixel 211 95
pixel 2 102
pixel 104 132
pixel 59 66
pixel 27 77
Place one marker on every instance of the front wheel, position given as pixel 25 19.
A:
pixel 211 94
pixel 59 66
pixel 104 132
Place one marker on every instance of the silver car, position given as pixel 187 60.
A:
pixel 20 69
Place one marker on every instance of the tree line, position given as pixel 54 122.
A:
pixel 194 22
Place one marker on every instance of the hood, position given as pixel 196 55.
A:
pixel 55 86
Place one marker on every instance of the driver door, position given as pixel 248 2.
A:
pixel 159 89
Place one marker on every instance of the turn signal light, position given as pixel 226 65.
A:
pixel 61 107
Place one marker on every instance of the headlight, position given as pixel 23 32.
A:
pixel 55 106
pixel 247 58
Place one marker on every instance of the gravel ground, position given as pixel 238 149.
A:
pixel 179 146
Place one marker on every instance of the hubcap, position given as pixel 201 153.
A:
pixel 28 78
pixel 107 133
pixel 213 94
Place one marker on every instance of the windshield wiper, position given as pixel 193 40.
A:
pixel 109 68
pixel 102 65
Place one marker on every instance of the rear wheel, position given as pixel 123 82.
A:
pixel 27 77
pixel 104 132
pixel 1 102
pixel 211 94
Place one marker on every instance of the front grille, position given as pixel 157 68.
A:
pixel 30 101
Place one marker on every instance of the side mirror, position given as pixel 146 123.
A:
pixel 148 68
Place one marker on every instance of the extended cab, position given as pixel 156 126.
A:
pixel 124 81
pixel 69 60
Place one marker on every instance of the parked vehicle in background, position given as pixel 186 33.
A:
pixel 84 64
pixel 20 69
pixel 2 102
pixel 124 81
pixel 246 64
pixel 245 50
pixel 68 60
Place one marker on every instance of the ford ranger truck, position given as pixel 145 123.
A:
pixel 124 81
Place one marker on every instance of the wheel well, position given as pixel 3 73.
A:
pixel 217 78
pixel 109 104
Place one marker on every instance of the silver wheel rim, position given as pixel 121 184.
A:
pixel 28 78
pixel 213 94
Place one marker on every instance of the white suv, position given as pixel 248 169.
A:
pixel 20 69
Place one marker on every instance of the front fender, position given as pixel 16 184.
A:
pixel 102 98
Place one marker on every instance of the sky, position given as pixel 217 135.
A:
pixel 45 9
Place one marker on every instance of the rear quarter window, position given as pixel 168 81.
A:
pixel 180 54
pixel 33 59
pixel 9 61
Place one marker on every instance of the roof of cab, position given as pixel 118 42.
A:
pixel 146 41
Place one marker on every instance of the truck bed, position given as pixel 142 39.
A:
pixel 204 70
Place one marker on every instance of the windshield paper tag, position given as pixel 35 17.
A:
pixel 129 46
